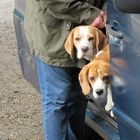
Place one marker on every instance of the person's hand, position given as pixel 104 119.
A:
pixel 100 21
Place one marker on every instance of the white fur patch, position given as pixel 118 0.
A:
pixel 100 52
pixel 110 103
pixel 99 84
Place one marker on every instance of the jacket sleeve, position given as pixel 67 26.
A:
pixel 73 10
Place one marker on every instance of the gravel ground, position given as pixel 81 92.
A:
pixel 20 111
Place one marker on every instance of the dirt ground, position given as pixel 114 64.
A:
pixel 20 110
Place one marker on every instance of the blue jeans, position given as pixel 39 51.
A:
pixel 63 103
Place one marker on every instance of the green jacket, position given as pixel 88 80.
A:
pixel 48 22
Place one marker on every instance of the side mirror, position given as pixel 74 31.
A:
pixel 128 6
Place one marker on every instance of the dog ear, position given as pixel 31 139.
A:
pixel 69 46
pixel 101 40
pixel 84 82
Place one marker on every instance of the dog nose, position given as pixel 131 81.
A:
pixel 99 91
pixel 84 48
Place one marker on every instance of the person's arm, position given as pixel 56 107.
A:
pixel 73 10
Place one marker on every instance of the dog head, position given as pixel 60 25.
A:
pixel 95 75
pixel 87 40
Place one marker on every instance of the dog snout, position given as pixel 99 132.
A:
pixel 84 48
pixel 99 91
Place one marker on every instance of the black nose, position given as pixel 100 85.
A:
pixel 99 91
pixel 84 48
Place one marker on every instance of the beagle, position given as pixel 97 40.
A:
pixel 87 40
pixel 96 75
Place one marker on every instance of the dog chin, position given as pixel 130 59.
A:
pixel 80 56
pixel 86 56
pixel 95 95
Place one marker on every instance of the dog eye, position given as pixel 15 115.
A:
pixel 91 78
pixel 90 38
pixel 106 78
pixel 77 38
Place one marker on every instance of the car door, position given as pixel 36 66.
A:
pixel 124 32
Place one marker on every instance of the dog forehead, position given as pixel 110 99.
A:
pixel 84 31
pixel 93 70
pixel 99 69
pixel 81 32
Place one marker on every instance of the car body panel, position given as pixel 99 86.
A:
pixel 126 90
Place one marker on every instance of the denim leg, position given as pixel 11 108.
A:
pixel 60 108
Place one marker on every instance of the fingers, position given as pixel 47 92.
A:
pixel 100 21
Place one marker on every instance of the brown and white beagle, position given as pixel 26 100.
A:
pixel 91 44
pixel 87 40
pixel 97 75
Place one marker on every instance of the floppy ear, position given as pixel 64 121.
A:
pixel 101 40
pixel 69 46
pixel 84 82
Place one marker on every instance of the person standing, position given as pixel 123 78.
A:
pixel 47 24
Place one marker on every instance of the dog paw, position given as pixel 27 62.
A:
pixel 112 114
pixel 109 106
